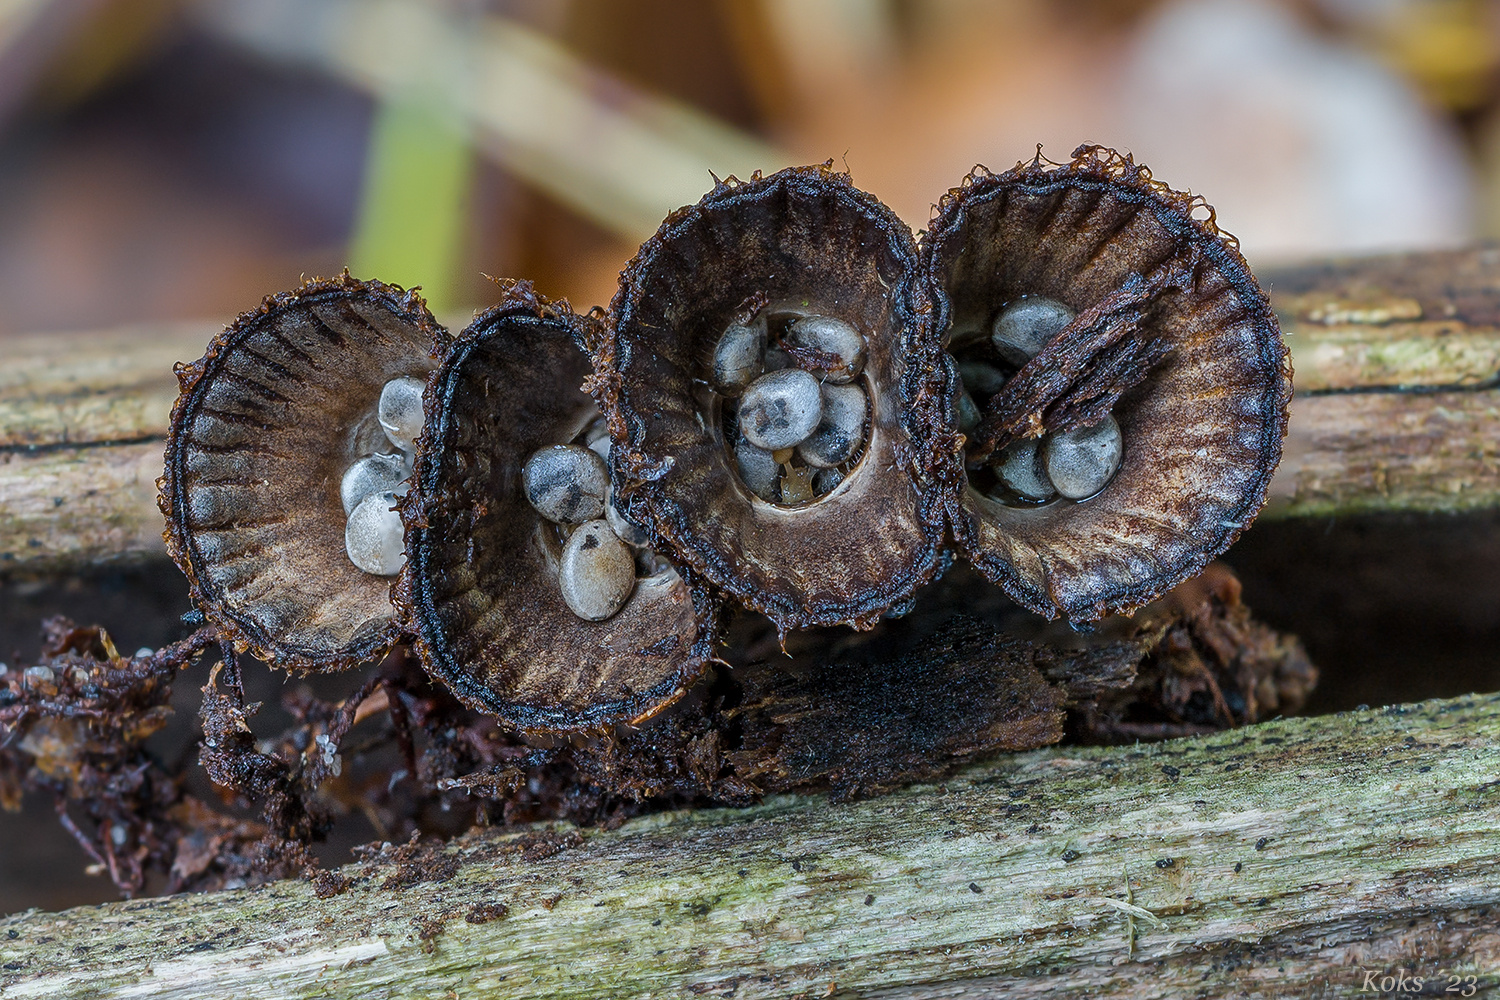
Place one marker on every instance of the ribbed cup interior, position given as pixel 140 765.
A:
pixel 1202 433
pixel 802 240
pixel 482 576
pixel 270 419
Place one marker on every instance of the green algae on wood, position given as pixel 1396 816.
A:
pixel 1425 319
pixel 1387 451
pixel 1274 860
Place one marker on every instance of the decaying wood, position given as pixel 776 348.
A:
pixel 73 505
pixel 1398 384
pixel 1292 858
pixel 1398 408
pixel 83 421
pixel 1414 321
pixel 1382 451
pixel 96 388
pixel 1286 859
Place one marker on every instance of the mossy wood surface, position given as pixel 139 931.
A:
pixel 1285 859
pixel 1398 408
pixel 1398 383
pixel 83 424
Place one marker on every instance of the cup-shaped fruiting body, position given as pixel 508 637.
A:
pixel 275 446
pixel 1129 373
pixel 774 392
pixel 526 601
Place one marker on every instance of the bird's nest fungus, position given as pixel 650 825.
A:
pixel 740 532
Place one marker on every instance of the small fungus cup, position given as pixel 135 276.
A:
pixel 279 473
pixel 775 395
pixel 526 601
pixel 1123 381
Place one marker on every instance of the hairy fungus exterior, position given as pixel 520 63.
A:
pixel 266 423
pixel 1173 336
pixel 480 586
pixel 802 241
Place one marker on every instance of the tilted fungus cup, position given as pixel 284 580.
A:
pixel 480 585
pixel 268 420
pixel 801 242
pixel 1172 336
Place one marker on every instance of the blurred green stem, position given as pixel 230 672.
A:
pixel 411 218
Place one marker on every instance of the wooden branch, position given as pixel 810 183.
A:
pixel 1286 859
pixel 98 387
pixel 1416 320
pixel 1381 451
pixel 1398 375
pixel 65 507
pixel 83 419
pixel 1398 384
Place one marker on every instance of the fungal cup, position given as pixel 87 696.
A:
pixel 537 618
pixel 788 403
pixel 257 490
pixel 728 470
pixel 1143 382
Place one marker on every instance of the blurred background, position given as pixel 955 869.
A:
pixel 173 159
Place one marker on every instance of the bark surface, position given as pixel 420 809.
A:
pixel 1398 384
pixel 83 424
pixel 1286 859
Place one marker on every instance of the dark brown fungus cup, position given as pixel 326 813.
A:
pixel 481 585
pixel 789 264
pixel 269 420
pixel 1163 329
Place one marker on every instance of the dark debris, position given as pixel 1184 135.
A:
pixel 851 713
pixel 1203 664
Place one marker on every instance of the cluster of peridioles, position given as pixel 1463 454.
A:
pixel 569 485
pixel 799 424
pixel 369 489
pixel 781 394
pixel 1074 464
